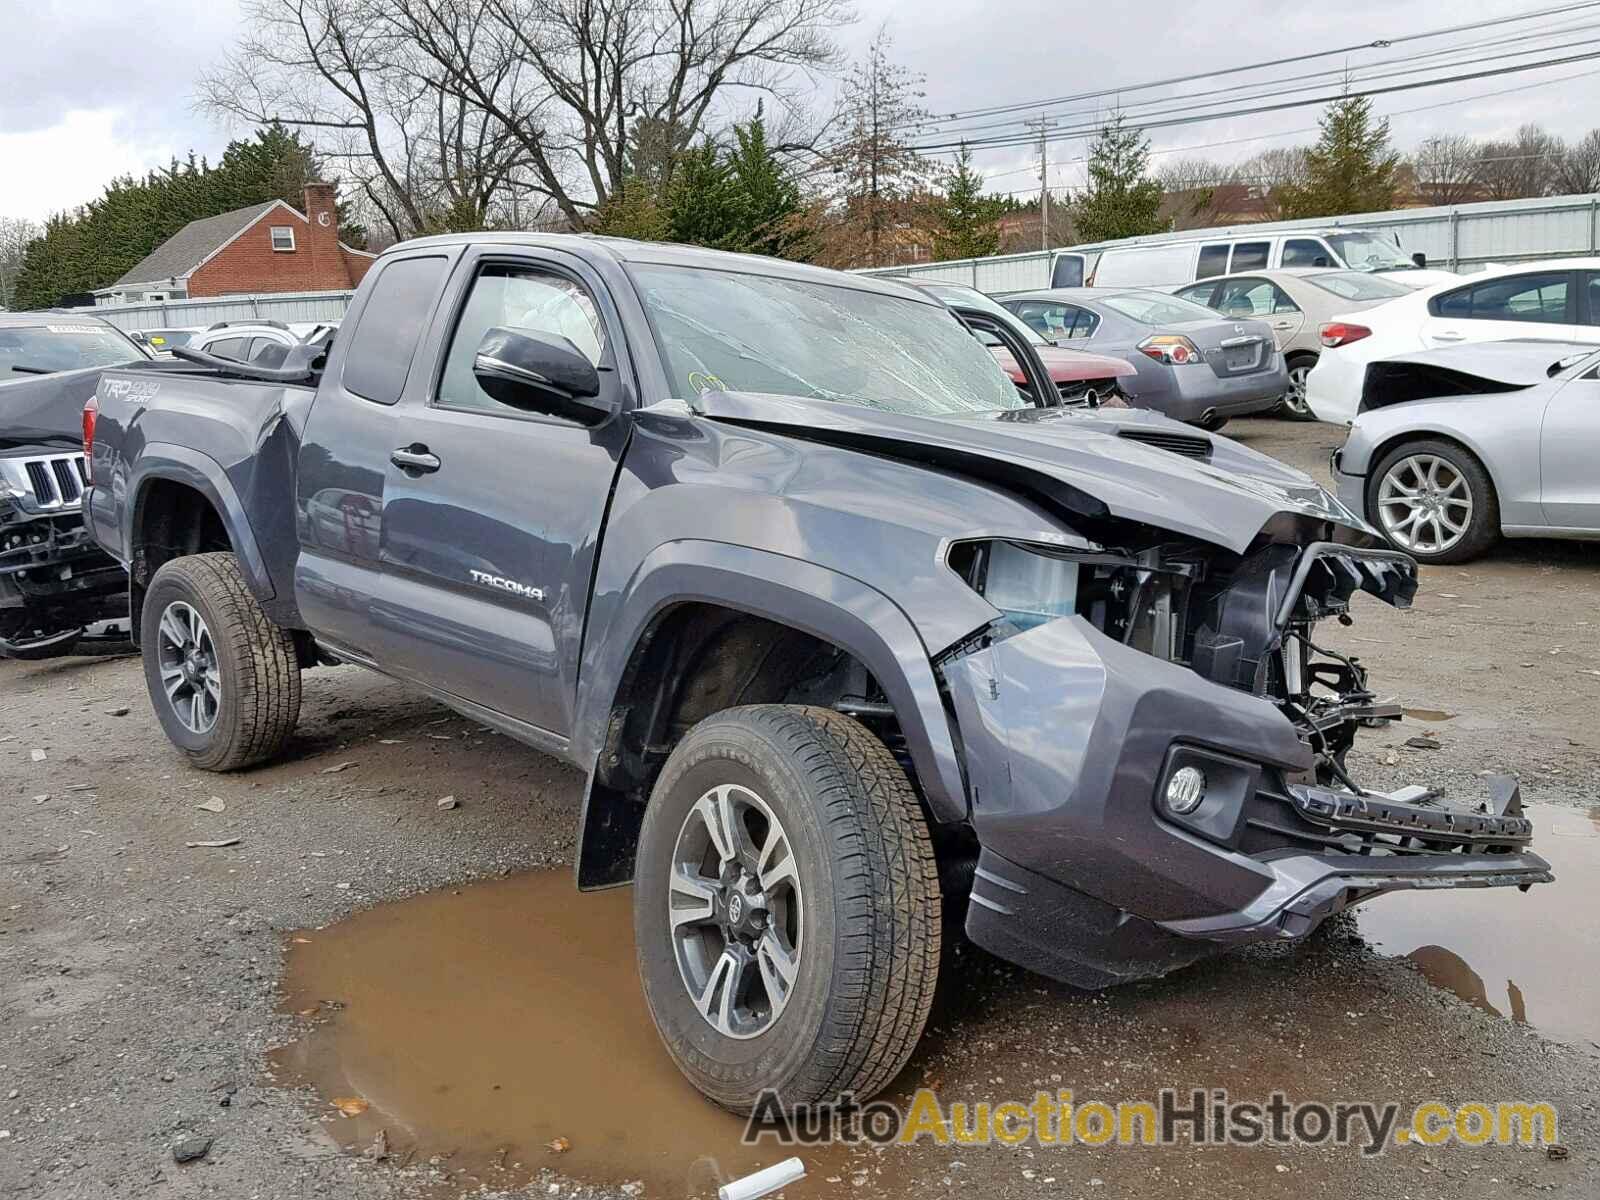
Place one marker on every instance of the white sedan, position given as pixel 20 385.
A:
pixel 1556 301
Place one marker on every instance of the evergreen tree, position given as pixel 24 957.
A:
pixel 769 196
pixel 1121 199
pixel 97 244
pixel 1351 168
pixel 965 221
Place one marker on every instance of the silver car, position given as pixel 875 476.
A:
pixel 1190 365
pixel 1297 303
pixel 1452 449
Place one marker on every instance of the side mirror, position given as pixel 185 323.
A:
pixel 1420 259
pixel 137 335
pixel 540 372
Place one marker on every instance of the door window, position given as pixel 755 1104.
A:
pixel 1538 298
pixel 1252 298
pixel 1213 261
pixel 516 298
pixel 1250 256
pixel 1592 295
pixel 1306 252
pixel 1200 293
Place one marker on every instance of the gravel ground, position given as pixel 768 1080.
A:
pixel 138 976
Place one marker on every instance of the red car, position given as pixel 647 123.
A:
pixel 1080 377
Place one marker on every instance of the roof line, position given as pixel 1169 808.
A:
pixel 243 229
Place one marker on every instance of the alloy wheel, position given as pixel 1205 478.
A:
pixel 1295 398
pixel 1424 504
pixel 190 673
pixel 734 911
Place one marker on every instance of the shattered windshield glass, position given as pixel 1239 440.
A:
pixel 756 333
pixel 46 349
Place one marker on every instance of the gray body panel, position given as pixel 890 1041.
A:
pixel 830 518
pixel 1535 434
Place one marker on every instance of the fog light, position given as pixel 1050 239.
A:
pixel 1186 789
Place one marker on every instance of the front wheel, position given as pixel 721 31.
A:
pixel 1435 501
pixel 225 681
pixel 786 908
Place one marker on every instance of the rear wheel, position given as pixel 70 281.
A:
pixel 786 908
pixel 224 680
pixel 1435 501
pixel 1295 405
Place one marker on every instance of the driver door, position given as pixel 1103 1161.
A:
pixel 1569 484
pixel 492 515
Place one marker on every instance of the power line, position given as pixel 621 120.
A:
pixel 1378 43
pixel 1191 119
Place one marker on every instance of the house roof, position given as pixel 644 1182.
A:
pixel 193 244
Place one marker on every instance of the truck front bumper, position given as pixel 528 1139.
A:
pixel 54 582
pixel 1084 875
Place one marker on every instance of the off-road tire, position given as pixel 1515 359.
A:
pixel 871 950
pixel 1483 528
pixel 260 671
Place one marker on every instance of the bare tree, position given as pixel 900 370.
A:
pixel 1578 168
pixel 1272 174
pixel 1198 193
pixel 1521 167
pixel 15 234
pixel 569 79
pixel 1446 169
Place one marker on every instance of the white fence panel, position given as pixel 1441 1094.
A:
pixel 287 307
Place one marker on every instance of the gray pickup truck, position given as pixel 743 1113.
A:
pixel 849 635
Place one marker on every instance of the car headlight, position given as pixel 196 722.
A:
pixel 1030 582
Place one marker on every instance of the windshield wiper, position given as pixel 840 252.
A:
pixel 35 370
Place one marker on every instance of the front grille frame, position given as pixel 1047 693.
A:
pixel 50 483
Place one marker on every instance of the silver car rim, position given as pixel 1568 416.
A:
pixel 1425 504
pixel 190 673
pixel 1295 397
pixel 734 911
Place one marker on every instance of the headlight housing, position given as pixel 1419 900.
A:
pixel 1030 582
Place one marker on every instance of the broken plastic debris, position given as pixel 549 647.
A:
pixel 349 1106
pixel 214 805
pixel 764 1182
pixel 38 755
pixel 334 770
pixel 216 845
pixel 559 1146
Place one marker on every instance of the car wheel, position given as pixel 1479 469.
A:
pixel 1295 406
pixel 225 681
pixel 786 908
pixel 1435 501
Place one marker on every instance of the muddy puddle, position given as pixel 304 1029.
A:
pixel 482 1024
pixel 1529 957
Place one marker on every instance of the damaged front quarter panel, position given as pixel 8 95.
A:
pixel 1178 657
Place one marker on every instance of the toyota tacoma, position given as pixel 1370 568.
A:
pixel 844 630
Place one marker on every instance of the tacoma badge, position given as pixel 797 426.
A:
pixel 506 585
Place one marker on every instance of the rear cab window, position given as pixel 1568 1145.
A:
pixel 390 327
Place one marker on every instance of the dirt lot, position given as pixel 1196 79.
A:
pixel 143 985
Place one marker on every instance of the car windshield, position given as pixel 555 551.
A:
pixel 952 293
pixel 1150 308
pixel 1364 252
pixel 166 339
pixel 1354 285
pixel 46 349
pixel 721 330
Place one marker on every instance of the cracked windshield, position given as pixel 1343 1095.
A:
pixel 747 333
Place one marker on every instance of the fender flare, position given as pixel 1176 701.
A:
pixel 827 604
pixel 179 464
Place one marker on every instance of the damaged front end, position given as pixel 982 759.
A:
pixel 54 581
pixel 1156 741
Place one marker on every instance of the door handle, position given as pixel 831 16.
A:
pixel 1448 335
pixel 1283 324
pixel 415 457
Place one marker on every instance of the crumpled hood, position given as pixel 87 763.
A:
pixel 1085 460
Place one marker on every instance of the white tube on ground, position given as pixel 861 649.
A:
pixel 764 1182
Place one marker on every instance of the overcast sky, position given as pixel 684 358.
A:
pixel 94 88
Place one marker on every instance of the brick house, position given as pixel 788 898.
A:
pixel 271 247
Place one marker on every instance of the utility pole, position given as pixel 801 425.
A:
pixel 1044 183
